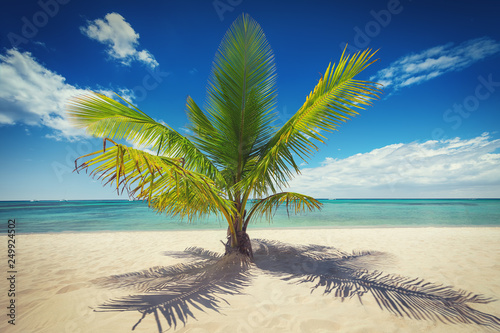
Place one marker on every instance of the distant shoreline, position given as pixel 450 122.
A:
pixel 320 199
pixel 80 216
pixel 258 229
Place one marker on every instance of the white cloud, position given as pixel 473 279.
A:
pixel 451 168
pixel 124 93
pixel 121 39
pixel 433 62
pixel 412 80
pixel 33 95
pixel 186 131
pixel 147 58
pixel 146 149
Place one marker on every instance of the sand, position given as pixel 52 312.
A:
pixel 54 292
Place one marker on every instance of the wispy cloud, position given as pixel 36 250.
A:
pixel 431 63
pixel 451 168
pixel 121 39
pixel 33 95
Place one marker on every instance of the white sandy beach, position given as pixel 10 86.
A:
pixel 54 292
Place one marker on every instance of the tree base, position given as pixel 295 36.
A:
pixel 244 244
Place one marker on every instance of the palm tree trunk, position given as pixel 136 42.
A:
pixel 244 245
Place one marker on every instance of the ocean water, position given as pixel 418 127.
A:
pixel 91 216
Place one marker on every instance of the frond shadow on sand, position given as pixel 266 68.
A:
pixel 173 292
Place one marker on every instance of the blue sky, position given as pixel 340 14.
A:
pixel 434 132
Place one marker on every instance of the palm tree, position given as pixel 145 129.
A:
pixel 235 152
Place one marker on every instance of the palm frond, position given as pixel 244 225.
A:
pixel 200 124
pixel 104 117
pixel 333 101
pixel 241 97
pixel 164 182
pixel 295 201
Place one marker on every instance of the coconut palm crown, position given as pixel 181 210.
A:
pixel 235 151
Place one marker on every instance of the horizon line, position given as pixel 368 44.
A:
pixel 324 199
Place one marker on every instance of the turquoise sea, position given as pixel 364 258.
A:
pixel 91 216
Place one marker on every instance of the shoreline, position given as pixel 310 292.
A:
pixel 275 229
pixel 319 199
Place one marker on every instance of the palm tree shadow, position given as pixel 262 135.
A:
pixel 347 275
pixel 173 292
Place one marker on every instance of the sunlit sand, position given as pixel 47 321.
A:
pixel 56 289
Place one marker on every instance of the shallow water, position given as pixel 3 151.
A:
pixel 88 216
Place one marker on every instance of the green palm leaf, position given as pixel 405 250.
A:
pixel 333 101
pixel 234 151
pixel 102 116
pixel 162 181
pixel 296 201
pixel 241 97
